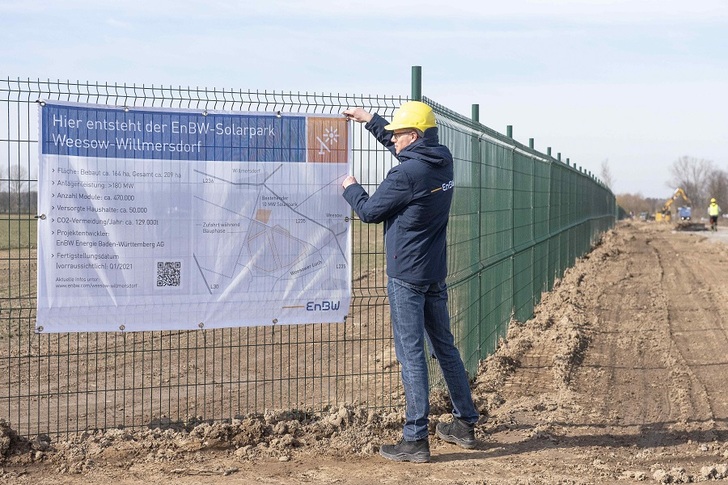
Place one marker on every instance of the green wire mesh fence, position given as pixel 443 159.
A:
pixel 519 219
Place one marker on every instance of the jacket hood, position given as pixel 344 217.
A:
pixel 427 149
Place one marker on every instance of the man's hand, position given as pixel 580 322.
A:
pixel 360 115
pixel 349 180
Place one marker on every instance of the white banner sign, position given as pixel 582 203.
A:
pixel 160 219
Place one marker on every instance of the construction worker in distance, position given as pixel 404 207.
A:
pixel 713 213
pixel 413 201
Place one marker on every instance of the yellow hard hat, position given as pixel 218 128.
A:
pixel 712 200
pixel 412 114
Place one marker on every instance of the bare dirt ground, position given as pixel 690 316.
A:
pixel 620 377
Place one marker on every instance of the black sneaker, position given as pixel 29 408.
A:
pixel 415 451
pixel 458 432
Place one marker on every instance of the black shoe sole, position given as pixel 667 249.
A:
pixel 468 445
pixel 420 457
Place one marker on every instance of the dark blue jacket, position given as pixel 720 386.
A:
pixel 413 201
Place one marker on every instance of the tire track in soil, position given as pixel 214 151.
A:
pixel 696 324
pixel 658 345
pixel 627 345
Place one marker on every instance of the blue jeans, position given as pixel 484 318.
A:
pixel 417 309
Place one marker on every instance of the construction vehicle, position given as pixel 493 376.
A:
pixel 684 212
pixel 665 214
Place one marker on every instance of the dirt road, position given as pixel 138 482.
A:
pixel 620 377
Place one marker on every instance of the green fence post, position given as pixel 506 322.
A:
pixel 478 186
pixel 417 83
pixel 509 130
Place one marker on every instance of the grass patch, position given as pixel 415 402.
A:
pixel 368 247
pixel 18 231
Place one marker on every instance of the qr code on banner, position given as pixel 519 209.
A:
pixel 169 273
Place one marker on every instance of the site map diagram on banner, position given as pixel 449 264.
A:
pixel 162 219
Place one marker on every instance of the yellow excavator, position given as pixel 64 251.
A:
pixel 684 213
pixel 665 215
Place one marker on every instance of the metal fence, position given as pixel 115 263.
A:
pixel 519 219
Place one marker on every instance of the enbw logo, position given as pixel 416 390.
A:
pixel 322 306
pixel 447 186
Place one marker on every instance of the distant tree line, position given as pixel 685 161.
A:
pixel 15 196
pixel 700 179
pixel 23 203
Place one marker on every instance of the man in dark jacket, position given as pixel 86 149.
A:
pixel 414 201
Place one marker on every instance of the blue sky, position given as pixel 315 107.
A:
pixel 638 83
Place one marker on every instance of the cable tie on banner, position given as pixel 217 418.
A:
pixel 41 217
pixel 201 325
pixel 40 102
pixel 204 113
pixel 125 108
pixel 122 327
pixel 39 329
pixel 279 114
